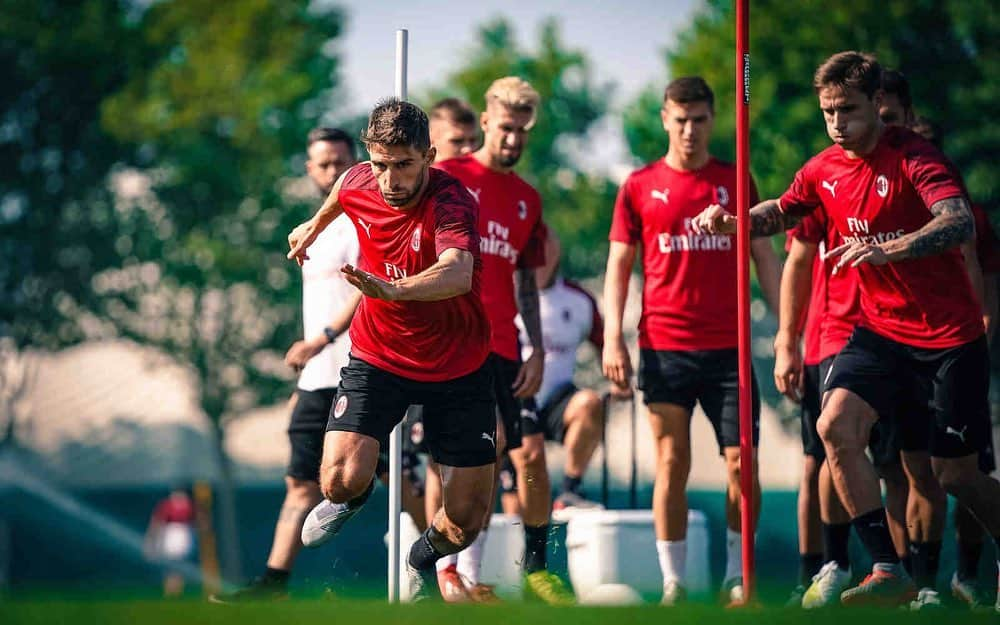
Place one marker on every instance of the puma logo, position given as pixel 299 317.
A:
pixel 959 433
pixel 489 437
pixel 367 227
pixel 660 195
pixel 474 192
pixel 832 188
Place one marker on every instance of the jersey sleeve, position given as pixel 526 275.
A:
pixel 812 228
pixel 987 244
pixel 929 171
pixel 455 219
pixel 801 197
pixel 626 227
pixel 533 254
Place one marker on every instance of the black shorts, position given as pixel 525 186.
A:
pixel 411 461
pixel 459 423
pixel 550 416
pixel 708 377
pixel 306 431
pixel 811 407
pixel 883 440
pixel 936 398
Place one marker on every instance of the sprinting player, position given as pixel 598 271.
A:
pixel 567 414
pixel 901 210
pixel 170 537
pixel 453 129
pixel 687 332
pixel 420 335
pixel 512 235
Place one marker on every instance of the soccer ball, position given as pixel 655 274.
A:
pixel 612 594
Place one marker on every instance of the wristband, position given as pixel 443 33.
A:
pixel 331 334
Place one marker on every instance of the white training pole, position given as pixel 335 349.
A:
pixel 396 439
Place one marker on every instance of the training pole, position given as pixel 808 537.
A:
pixel 743 287
pixel 396 438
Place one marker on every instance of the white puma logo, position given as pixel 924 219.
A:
pixel 474 192
pixel 489 437
pixel 367 227
pixel 660 195
pixel 959 433
pixel 832 188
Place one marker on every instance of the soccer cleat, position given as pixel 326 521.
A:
pixel 927 599
pixel 483 593
pixel 968 592
pixel 451 585
pixel 325 520
pixel 881 588
pixel 673 593
pixel 259 589
pixel 826 586
pixel 795 599
pixel 732 592
pixel 548 587
pixel 420 587
pixel 568 503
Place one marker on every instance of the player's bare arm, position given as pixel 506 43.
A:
pixel 449 277
pixel 796 283
pixel 615 360
pixel 305 233
pixel 766 219
pixel 768 271
pixel 529 377
pixel 301 351
pixel 951 226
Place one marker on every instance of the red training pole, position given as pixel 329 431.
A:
pixel 743 287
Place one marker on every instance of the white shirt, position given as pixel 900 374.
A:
pixel 569 317
pixel 324 292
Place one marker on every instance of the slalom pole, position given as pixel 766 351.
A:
pixel 396 438
pixel 743 290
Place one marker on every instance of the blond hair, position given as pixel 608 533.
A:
pixel 515 93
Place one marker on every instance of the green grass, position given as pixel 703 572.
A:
pixel 371 612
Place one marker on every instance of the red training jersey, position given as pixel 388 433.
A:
pixel 174 510
pixel 923 302
pixel 688 298
pixel 511 236
pixel 423 341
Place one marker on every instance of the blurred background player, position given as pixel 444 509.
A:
pixel 512 239
pixel 687 332
pixel 170 537
pixel 453 129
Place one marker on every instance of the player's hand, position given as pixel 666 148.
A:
pixel 621 391
pixel 369 284
pixel 529 376
pixel 788 369
pixel 301 351
pixel 714 220
pixel 616 363
pixel 857 253
pixel 300 239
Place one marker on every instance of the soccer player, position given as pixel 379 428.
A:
pixel 512 238
pixel 420 335
pixel 687 332
pixel 170 537
pixel 453 129
pixel 902 212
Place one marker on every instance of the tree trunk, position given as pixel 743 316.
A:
pixel 229 534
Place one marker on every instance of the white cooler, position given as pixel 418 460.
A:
pixel 619 547
pixel 502 556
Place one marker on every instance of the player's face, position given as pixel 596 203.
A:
pixel 505 133
pixel 689 127
pixel 892 112
pixel 453 140
pixel 851 117
pixel 401 171
pixel 327 161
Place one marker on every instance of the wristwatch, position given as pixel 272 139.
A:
pixel 331 334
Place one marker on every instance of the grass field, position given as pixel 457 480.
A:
pixel 370 612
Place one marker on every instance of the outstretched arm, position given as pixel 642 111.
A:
pixel 449 277
pixel 305 233
pixel 766 219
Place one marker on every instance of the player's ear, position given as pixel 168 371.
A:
pixel 484 121
pixel 877 98
pixel 665 117
pixel 430 155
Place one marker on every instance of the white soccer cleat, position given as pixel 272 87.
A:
pixel 927 599
pixel 325 520
pixel 673 593
pixel 732 592
pixel 967 592
pixel 826 586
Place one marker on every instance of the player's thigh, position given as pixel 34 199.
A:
pixel 670 425
pixel 370 401
pixel 553 415
pixel 349 458
pixel 720 396
pixel 669 377
pixel 306 430
pixel 873 368
pixel 812 446
pixel 960 407
pixel 460 421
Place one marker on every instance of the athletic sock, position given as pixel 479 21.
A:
pixel 969 553
pixel 809 565
pixel 426 550
pixel 571 484
pixel 275 577
pixel 449 560
pixel 835 539
pixel 873 530
pixel 734 555
pixel 536 544
pixel 470 559
pixel 907 562
pixel 926 561
pixel 673 559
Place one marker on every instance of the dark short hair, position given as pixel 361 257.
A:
pixel 689 89
pixel 850 70
pixel 455 111
pixel 395 122
pixel 895 83
pixel 332 135
pixel 929 129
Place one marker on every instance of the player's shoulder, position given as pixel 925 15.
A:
pixel 444 188
pixel 647 172
pixel 523 187
pixel 823 160
pixel 359 177
pixel 909 144
pixel 455 165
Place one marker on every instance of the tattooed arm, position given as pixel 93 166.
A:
pixel 951 226
pixel 766 219
pixel 529 377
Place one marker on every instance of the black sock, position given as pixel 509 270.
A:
pixel 424 554
pixel 809 565
pixel 873 530
pixel 536 545
pixel 835 540
pixel 926 559
pixel 571 484
pixel 363 497
pixel 907 563
pixel 275 577
pixel 969 553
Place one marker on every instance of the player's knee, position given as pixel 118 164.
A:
pixel 674 466
pixel 591 407
pixel 301 491
pixel 836 430
pixel 734 469
pixel 810 469
pixel 956 479
pixel 531 455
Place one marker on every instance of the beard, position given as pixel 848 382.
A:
pixel 509 160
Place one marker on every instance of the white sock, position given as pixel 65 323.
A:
pixel 734 555
pixel 446 561
pixel 470 560
pixel 673 558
